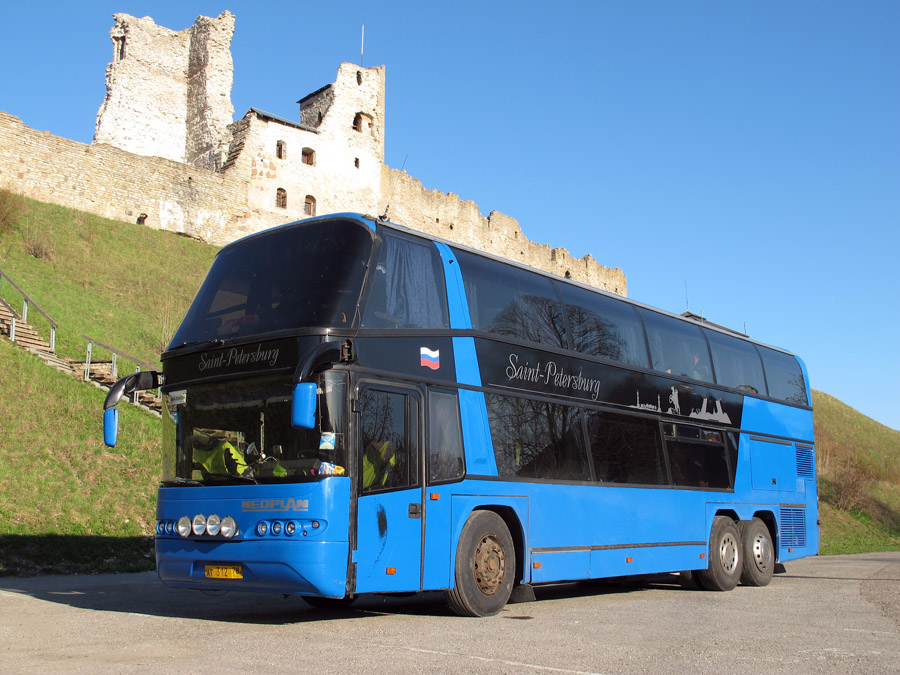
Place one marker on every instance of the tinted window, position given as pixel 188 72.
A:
pixel 407 286
pixel 510 301
pixel 784 376
pixel 737 363
pixel 677 347
pixel 445 448
pixel 535 439
pixel 603 326
pixel 388 435
pixel 626 449
pixel 297 276
pixel 697 457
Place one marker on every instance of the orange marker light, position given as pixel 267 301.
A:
pixel 391 570
pixel 536 565
pixel 435 496
pixel 702 556
pixel 628 560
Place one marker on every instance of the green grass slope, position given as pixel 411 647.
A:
pixel 67 502
pixel 858 462
pixel 123 284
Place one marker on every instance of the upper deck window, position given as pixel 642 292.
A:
pixel 298 276
pixel 784 376
pixel 737 363
pixel 677 347
pixel 406 286
pixel 510 301
pixel 603 326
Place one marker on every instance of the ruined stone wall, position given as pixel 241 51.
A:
pixel 110 182
pixel 210 74
pixel 168 93
pixel 447 216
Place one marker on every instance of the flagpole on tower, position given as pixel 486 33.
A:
pixel 362 46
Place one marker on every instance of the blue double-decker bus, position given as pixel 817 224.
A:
pixel 353 407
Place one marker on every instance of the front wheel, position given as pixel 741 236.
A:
pixel 485 566
pixel 725 556
pixel 759 553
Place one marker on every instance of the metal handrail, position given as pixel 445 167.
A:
pixel 142 365
pixel 27 299
pixel 13 316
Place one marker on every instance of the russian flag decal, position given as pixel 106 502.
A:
pixel 430 359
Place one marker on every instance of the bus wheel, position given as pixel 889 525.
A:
pixel 725 555
pixel 759 553
pixel 485 566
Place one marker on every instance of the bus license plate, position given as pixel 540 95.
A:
pixel 224 572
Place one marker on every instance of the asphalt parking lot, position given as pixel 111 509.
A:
pixel 826 614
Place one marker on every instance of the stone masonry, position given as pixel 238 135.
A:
pixel 165 146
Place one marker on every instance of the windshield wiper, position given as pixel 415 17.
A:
pixel 215 342
pixel 228 478
pixel 182 481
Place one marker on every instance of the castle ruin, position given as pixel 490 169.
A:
pixel 165 147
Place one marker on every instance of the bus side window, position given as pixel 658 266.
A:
pixel 445 447
pixel 537 439
pixel 626 449
pixel 388 433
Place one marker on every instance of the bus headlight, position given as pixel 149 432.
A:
pixel 184 526
pixel 262 528
pixel 276 528
pixel 199 524
pixel 228 528
pixel 213 525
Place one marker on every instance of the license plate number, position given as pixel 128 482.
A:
pixel 224 572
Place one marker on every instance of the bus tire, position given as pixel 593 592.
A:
pixel 485 566
pixel 759 553
pixel 725 556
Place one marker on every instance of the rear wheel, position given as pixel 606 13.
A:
pixel 725 554
pixel 485 566
pixel 759 553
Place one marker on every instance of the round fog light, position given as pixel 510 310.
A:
pixel 290 528
pixel 262 528
pixel 228 527
pixel 199 524
pixel 276 527
pixel 213 525
pixel 184 526
pixel 161 527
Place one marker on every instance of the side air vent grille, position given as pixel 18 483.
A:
pixel 806 462
pixel 793 527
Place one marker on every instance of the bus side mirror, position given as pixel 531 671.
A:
pixel 303 406
pixel 110 426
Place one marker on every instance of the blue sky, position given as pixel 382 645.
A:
pixel 742 158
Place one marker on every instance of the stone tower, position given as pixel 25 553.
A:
pixel 168 93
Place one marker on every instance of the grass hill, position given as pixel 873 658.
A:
pixel 69 504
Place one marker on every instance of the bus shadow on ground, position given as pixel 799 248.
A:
pixel 144 593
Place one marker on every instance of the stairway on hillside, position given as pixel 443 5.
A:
pixel 27 338
pixel 100 372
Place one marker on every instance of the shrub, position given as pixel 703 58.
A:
pixel 12 208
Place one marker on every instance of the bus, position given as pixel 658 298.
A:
pixel 350 407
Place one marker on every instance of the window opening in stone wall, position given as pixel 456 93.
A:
pixel 309 156
pixel 281 150
pixel 281 198
pixel 358 77
pixel 356 162
pixel 119 48
pixel 357 122
pixel 309 206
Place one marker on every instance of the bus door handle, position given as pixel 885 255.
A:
pixel 415 510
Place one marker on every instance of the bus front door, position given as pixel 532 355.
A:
pixel 389 523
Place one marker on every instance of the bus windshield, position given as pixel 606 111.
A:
pixel 240 432
pixel 296 276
